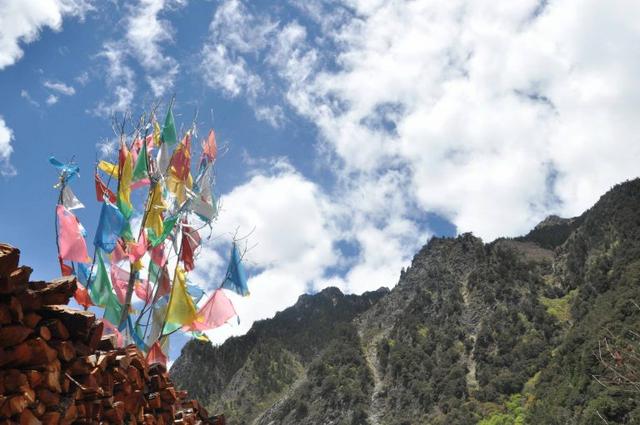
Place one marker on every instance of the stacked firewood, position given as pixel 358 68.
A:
pixel 57 368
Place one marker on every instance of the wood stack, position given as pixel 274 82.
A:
pixel 57 368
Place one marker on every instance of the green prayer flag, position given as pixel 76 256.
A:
pixel 100 289
pixel 142 164
pixel 113 310
pixel 170 327
pixel 168 226
pixel 127 233
pixel 169 135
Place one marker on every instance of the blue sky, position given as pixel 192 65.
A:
pixel 355 130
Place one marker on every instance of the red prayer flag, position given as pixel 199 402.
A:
pixel 156 355
pixel 143 290
pixel 65 269
pixel 180 161
pixel 82 296
pixel 102 190
pixel 190 242
pixel 164 283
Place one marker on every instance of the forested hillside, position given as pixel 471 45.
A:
pixel 511 332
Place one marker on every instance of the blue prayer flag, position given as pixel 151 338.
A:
pixel 109 227
pixel 236 278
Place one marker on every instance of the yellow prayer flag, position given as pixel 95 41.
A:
pixel 156 207
pixel 181 309
pixel 124 188
pixel 109 168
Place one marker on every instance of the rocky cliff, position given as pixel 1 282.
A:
pixel 506 332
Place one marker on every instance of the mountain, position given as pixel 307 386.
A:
pixel 533 330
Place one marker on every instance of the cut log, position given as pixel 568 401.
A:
pixel 31 320
pixel 16 281
pixel 13 335
pixel 58 291
pixel 51 418
pixel 78 323
pixel 5 314
pixel 14 405
pixel 9 259
pixel 58 330
pixel 31 352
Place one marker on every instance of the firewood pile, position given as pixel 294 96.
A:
pixel 57 368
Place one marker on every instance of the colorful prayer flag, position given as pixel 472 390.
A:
pixel 214 313
pixel 111 224
pixel 70 240
pixel 236 278
pixel 169 135
pixel 181 310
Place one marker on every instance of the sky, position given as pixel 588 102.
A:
pixel 353 131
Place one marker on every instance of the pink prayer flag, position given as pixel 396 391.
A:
pixel 119 281
pixel 209 147
pixel 214 313
pixel 143 290
pixel 137 250
pixel 156 355
pixel 157 255
pixel 119 253
pixel 140 183
pixel 70 239
pixel 109 328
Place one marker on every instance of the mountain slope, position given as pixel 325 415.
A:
pixel 496 333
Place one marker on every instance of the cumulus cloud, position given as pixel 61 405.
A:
pixel 499 113
pixel 22 20
pixel 290 242
pixel 6 137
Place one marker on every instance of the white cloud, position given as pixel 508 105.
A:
pixel 236 36
pixel 290 242
pixel 52 99
pixel 145 34
pixel 120 79
pixel 500 112
pixel 26 96
pixel 60 87
pixel 6 137
pixel 22 20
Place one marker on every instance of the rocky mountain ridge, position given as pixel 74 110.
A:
pixel 494 333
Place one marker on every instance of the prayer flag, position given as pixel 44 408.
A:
pixel 69 200
pixel 110 225
pixel 169 135
pixel 70 240
pixel 209 147
pixel 124 187
pixel 236 279
pixel 156 355
pixel 102 190
pixel 109 168
pixel 142 164
pixel 181 310
pixel 214 313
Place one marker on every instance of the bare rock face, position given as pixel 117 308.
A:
pixel 504 332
